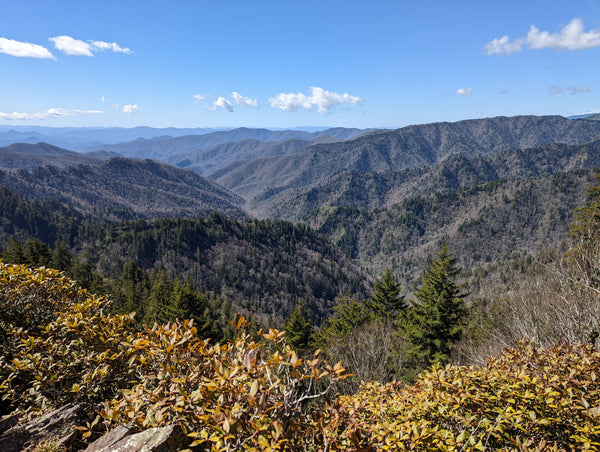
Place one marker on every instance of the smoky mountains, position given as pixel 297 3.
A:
pixel 496 188
pixel 392 150
pixel 124 189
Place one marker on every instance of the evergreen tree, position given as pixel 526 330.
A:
pixel 135 289
pixel 348 314
pixel 586 227
pixel 387 300
pixel 160 308
pixel 61 257
pixel 299 329
pixel 435 322
pixel 37 253
pixel 13 252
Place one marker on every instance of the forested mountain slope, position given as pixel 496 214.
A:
pixel 377 190
pixel 482 224
pixel 162 147
pixel 207 161
pixel 126 189
pixel 29 156
pixel 409 147
pixel 264 267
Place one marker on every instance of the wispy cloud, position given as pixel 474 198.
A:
pixel 24 49
pixel 76 47
pixel 554 89
pixel 464 91
pixel 198 97
pixel 221 103
pixel 130 109
pixel 112 46
pixel 325 101
pixel 571 37
pixel 245 101
pixel 575 90
pixel 503 46
pixel 49 114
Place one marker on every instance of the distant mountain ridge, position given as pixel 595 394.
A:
pixel 29 156
pixel 83 139
pixel 378 190
pixel 126 189
pixel 207 161
pixel 409 147
pixel 163 147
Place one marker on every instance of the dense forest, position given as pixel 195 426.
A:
pixel 256 392
pixel 263 267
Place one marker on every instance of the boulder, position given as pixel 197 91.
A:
pixel 55 427
pixel 159 439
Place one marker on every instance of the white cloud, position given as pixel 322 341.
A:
pixel 70 46
pixel 575 90
pixel 198 97
pixel 572 89
pixel 113 46
pixel 464 91
pixel 49 114
pixel 324 100
pixel 221 102
pixel 76 47
pixel 130 109
pixel 245 101
pixel 556 90
pixel 571 37
pixel 24 49
pixel 103 99
pixel 291 101
pixel 503 46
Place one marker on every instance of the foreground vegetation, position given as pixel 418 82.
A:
pixel 59 346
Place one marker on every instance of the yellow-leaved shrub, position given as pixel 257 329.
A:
pixel 528 399
pixel 247 394
pixel 60 345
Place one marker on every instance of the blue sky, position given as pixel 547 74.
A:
pixel 285 63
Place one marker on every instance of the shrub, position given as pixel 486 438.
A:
pixel 527 398
pixel 241 395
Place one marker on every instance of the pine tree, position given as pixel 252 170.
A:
pixel 387 301
pixel 135 289
pixel 13 252
pixel 299 329
pixel 160 308
pixel 61 257
pixel 586 227
pixel 435 322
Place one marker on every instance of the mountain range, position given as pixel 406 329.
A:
pixel 410 147
pixel 495 188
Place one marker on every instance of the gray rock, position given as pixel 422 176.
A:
pixel 55 427
pixel 160 439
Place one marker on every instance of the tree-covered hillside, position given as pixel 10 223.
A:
pixel 264 267
pixel 483 223
pixel 409 147
pixel 377 190
pixel 125 189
